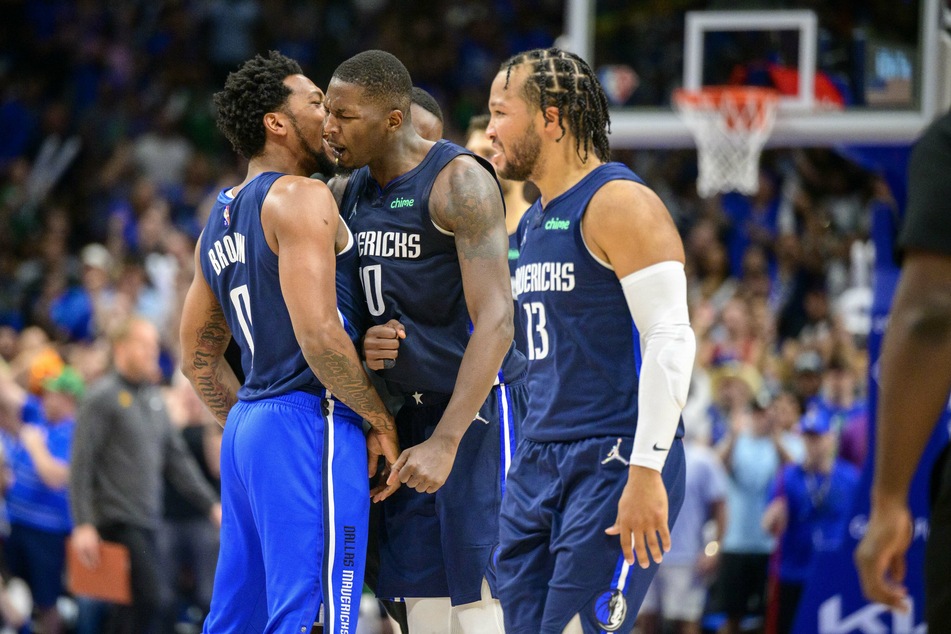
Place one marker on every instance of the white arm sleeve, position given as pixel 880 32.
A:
pixel 657 299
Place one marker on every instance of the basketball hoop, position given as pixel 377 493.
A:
pixel 730 125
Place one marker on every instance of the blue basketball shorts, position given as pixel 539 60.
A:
pixel 295 502
pixel 554 560
pixel 439 544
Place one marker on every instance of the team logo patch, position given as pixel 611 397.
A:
pixel 610 609
pixel 226 216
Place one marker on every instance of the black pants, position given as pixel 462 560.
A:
pixel 142 617
pixel 789 595
pixel 938 549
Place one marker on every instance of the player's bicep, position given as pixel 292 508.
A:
pixel 305 227
pixel 628 226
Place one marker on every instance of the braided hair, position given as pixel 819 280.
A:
pixel 564 80
pixel 249 93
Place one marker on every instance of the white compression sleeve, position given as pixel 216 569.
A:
pixel 657 299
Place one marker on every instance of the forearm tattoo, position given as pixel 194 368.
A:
pixel 348 382
pixel 209 371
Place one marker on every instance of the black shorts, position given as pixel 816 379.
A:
pixel 740 588
pixel 938 548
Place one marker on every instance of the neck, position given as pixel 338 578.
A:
pixel 515 207
pixel 405 152
pixel 276 160
pixel 819 465
pixel 562 169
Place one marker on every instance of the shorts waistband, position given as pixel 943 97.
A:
pixel 306 400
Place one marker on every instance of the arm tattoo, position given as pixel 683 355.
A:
pixel 347 381
pixel 472 208
pixel 208 371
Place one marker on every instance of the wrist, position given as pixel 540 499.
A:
pixel 888 497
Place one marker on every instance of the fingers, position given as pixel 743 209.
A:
pixel 626 541
pixel 876 568
pixel 640 548
pixel 397 327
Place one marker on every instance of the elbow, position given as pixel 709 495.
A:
pixel 929 319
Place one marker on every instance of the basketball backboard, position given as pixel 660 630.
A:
pixel 884 62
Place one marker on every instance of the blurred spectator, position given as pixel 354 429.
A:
pixel 809 510
pixel 187 541
pixel 37 446
pixel 679 589
pixel 752 452
pixel 124 444
pixel 807 377
pixel 848 409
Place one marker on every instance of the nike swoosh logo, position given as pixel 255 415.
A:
pixel 656 448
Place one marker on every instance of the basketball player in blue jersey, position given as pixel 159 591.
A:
pixel 430 225
pixel 598 478
pixel 293 456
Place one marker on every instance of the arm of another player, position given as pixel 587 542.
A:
pixel 300 219
pixel 629 227
pixel 913 390
pixel 466 200
pixel 204 336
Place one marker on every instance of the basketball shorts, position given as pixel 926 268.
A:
pixel 439 544
pixel 295 499
pixel 555 561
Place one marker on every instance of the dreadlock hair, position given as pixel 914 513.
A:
pixel 384 79
pixel 564 80
pixel 249 93
pixel 426 101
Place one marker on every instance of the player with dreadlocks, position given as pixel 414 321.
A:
pixel 602 291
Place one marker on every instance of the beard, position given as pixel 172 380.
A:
pixel 321 161
pixel 521 161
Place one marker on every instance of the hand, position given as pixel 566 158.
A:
pixel 382 343
pixel 707 565
pixel 426 466
pixel 775 517
pixel 642 516
pixel 382 443
pixel 214 514
pixel 85 539
pixel 880 556
pixel 33 437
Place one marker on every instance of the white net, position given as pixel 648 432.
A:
pixel 730 125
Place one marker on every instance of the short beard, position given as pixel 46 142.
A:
pixel 521 161
pixel 322 162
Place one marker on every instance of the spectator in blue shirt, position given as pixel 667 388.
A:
pixel 809 509
pixel 37 501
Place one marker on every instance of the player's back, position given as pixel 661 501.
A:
pixel 410 272
pixel 583 348
pixel 242 271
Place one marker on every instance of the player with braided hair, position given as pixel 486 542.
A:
pixel 602 291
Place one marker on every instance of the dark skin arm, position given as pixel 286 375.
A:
pixel 300 222
pixel 466 200
pixel 913 391
pixel 204 336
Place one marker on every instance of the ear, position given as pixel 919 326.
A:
pixel 550 116
pixel 274 123
pixel 394 120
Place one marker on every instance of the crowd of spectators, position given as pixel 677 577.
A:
pixel 109 161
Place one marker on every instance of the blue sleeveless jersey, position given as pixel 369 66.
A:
pixel 410 272
pixel 242 271
pixel 583 348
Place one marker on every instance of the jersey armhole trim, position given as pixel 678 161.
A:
pixel 587 248
pixel 445 232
